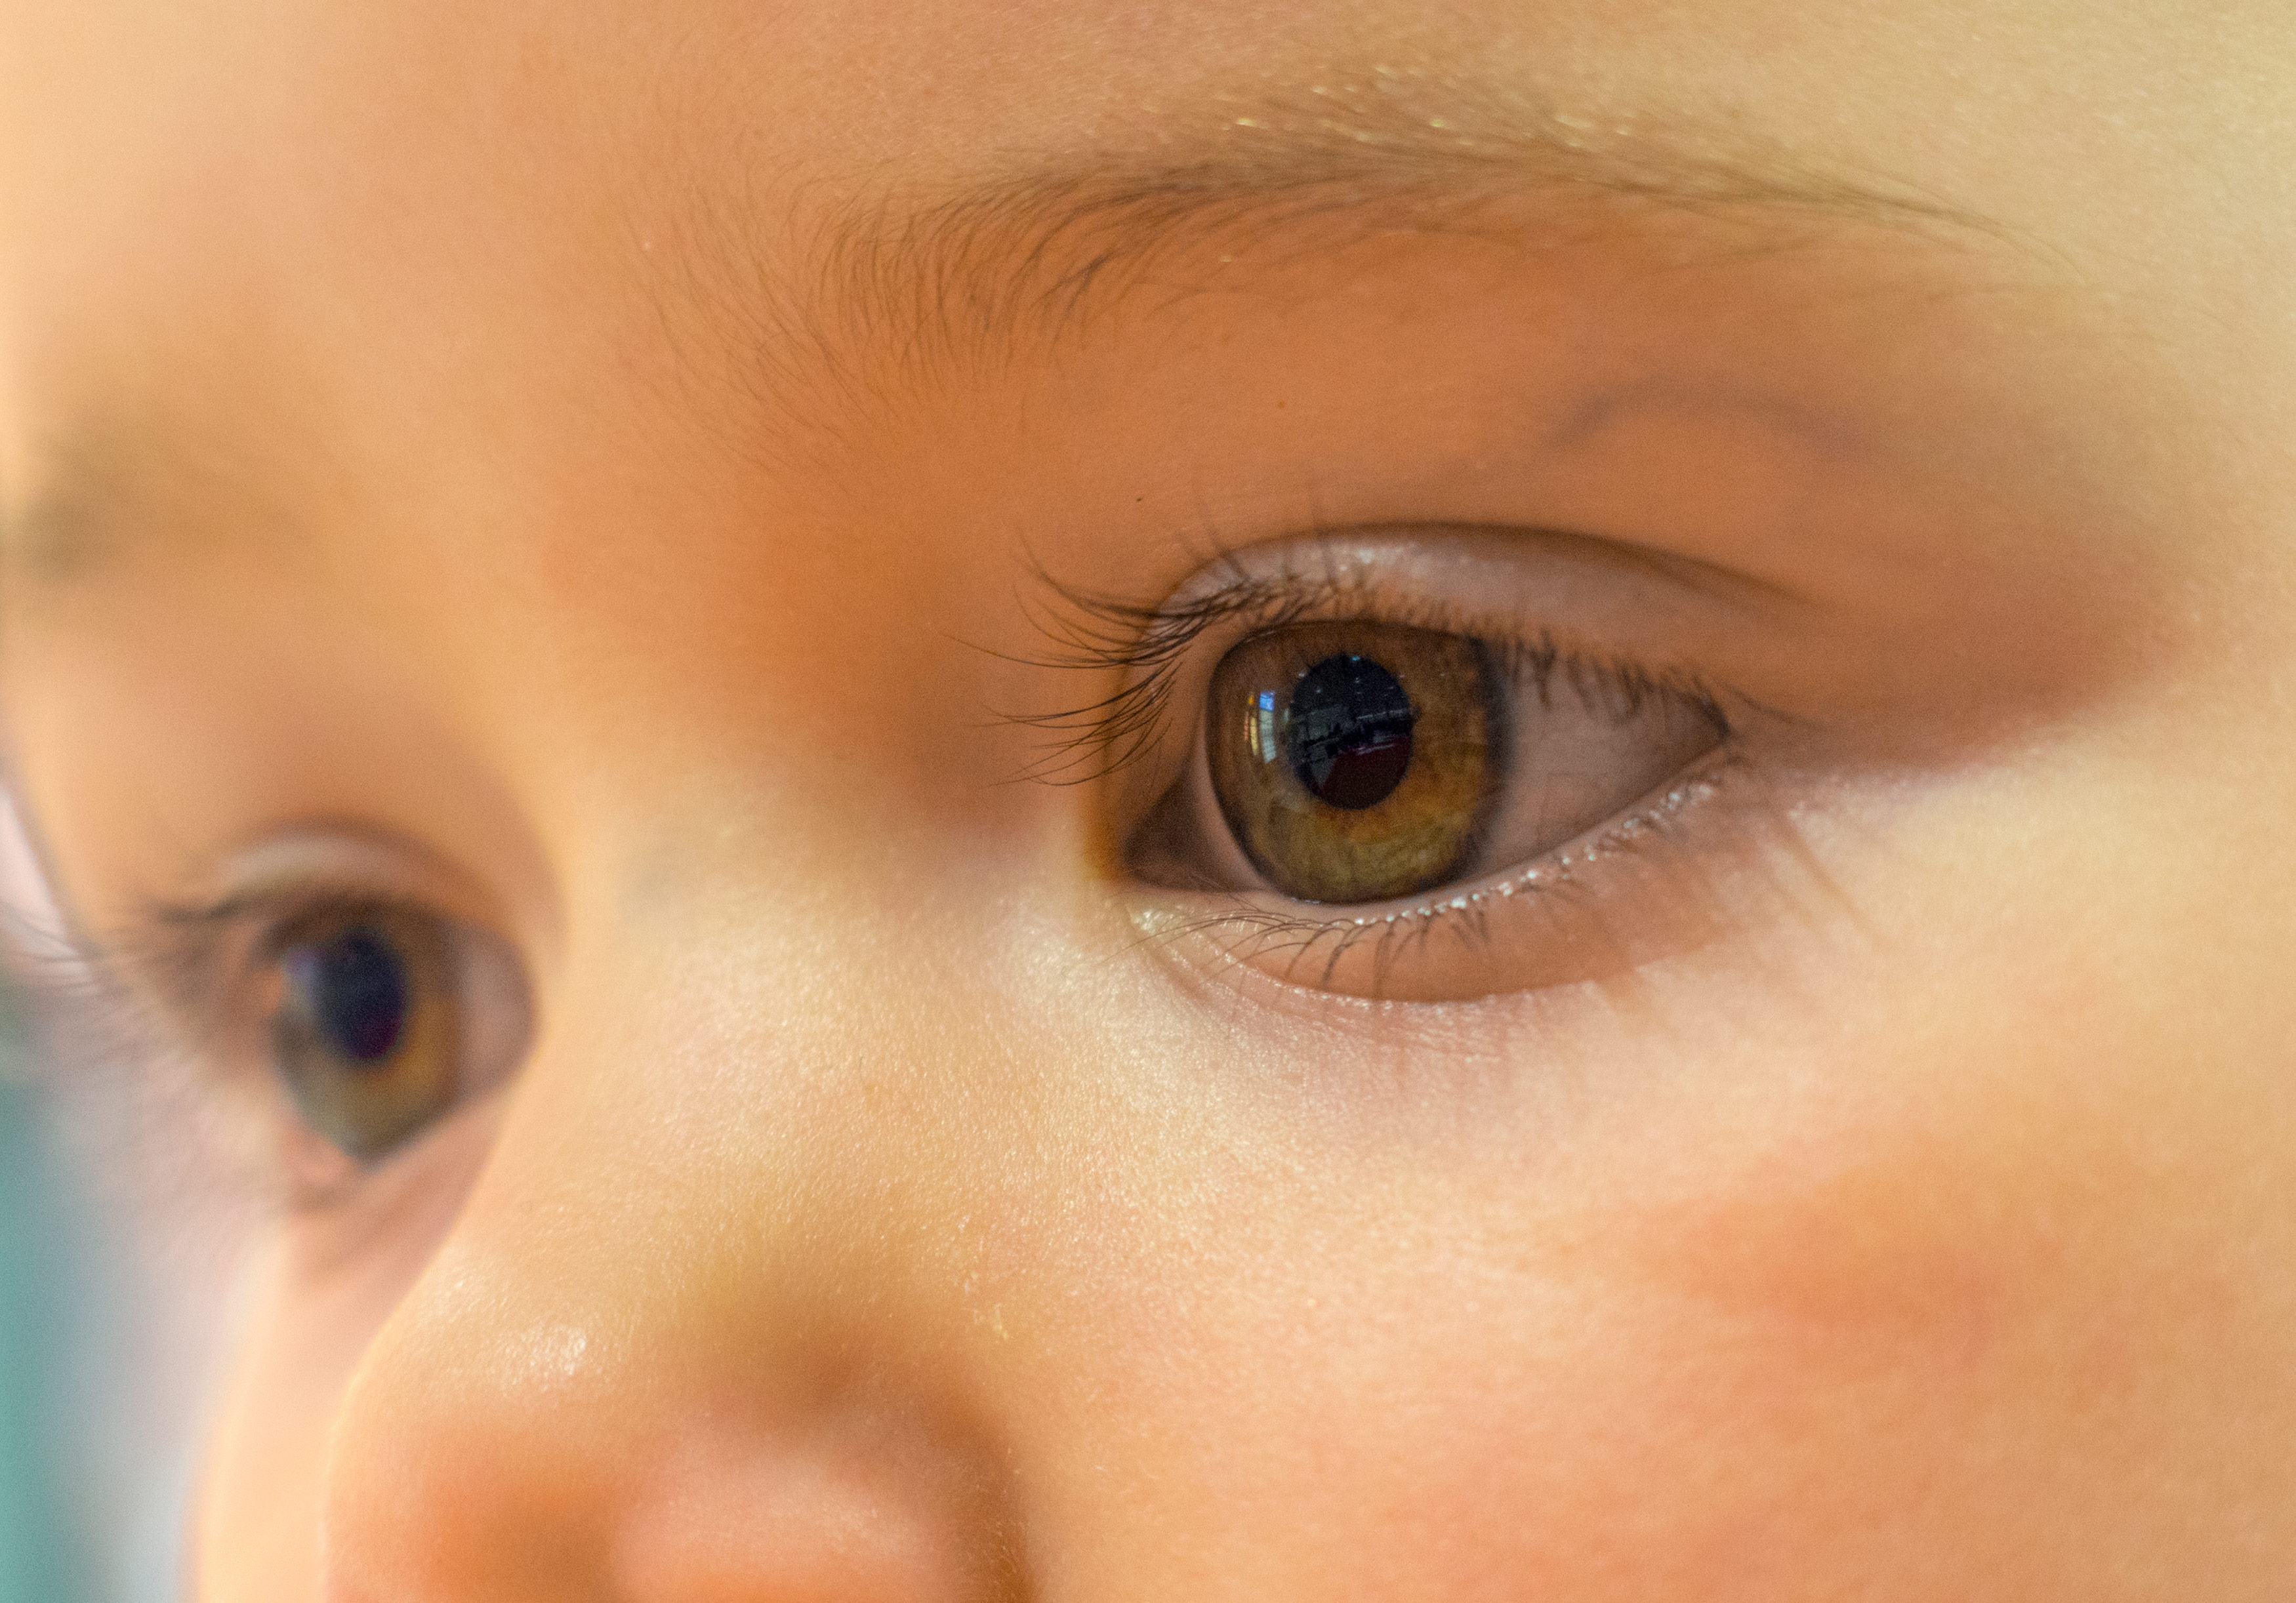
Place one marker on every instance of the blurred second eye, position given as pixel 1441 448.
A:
pixel 383 1020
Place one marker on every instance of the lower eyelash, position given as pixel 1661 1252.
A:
pixel 1250 931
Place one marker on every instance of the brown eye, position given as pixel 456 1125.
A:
pixel 368 1033
pixel 1355 762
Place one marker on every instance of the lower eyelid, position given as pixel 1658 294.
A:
pixel 1621 894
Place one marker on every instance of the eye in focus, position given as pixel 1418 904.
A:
pixel 371 1025
pixel 1354 762
pixel 1359 762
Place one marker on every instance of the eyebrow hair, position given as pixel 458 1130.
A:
pixel 888 288
pixel 895 286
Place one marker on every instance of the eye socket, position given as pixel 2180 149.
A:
pixel 1358 761
pixel 382 1019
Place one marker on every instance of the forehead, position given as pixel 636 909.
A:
pixel 130 115
pixel 225 211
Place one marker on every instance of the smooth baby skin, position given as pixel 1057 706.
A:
pixel 590 470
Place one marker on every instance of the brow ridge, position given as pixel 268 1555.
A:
pixel 936 278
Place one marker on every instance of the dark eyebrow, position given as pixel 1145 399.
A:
pixel 932 273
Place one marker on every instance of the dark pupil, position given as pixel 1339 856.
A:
pixel 1350 732
pixel 353 988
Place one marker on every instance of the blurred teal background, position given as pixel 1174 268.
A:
pixel 42 1310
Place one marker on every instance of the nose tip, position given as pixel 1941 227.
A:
pixel 551 1469
pixel 695 1337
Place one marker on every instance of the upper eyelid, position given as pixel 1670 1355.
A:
pixel 200 930
pixel 185 957
pixel 1092 630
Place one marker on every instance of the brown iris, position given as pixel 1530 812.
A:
pixel 1355 762
pixel 364 1032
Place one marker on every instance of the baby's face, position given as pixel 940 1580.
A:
pixel 1227 801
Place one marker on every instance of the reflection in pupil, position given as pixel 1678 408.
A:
pixel 1348 730
pixel 353 988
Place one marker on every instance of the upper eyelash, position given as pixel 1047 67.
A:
pixel 147 1013
pixel 128 1029
pixel 168 962
pixel 1147 643
pixel 1092 632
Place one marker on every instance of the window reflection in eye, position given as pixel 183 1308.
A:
pixel 1354 762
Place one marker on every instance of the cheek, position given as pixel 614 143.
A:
pixel 1732 1400
pixel 1852 1342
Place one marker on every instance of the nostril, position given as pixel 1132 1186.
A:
pixel 854 1510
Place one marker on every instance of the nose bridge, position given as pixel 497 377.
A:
pixel 698 1332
